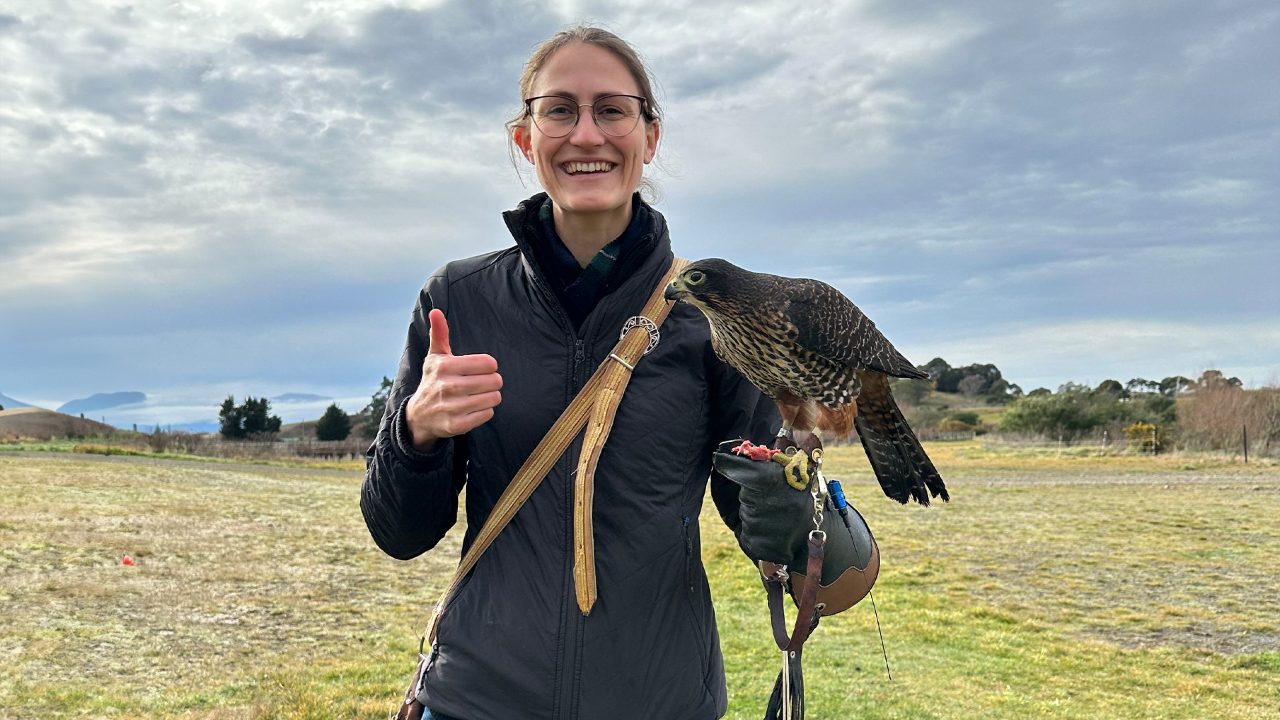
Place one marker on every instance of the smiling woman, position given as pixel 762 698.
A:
pixel 589 168
pixel 608 615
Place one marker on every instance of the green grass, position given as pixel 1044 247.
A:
pixel 1053 585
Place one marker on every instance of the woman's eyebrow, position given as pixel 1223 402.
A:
pixel 573 96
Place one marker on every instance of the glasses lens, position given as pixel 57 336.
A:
pixel 615 115
pixel 554 116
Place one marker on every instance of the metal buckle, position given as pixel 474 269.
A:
pixel 649 326
pixel 819 494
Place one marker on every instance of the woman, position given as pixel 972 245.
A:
pixel 498 346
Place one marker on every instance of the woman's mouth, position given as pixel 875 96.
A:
pixel 586 168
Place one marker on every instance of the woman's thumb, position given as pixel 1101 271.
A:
pixel 439 334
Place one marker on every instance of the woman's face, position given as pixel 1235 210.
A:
pixel 586 72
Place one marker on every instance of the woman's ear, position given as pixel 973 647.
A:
pixel 652 133
pixel 524 141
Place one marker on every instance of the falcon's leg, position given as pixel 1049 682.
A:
pixel 812 444
pixel 788 408
pixel 785 440
pixel 799 418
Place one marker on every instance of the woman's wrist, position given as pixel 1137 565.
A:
pixel 419 438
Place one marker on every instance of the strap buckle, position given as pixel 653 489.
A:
pixel 640 321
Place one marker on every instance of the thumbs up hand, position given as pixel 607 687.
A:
pixel 457 394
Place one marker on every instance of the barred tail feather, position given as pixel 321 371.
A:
pixel 900 463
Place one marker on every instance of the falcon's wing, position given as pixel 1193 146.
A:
pixel 829 324
pixel 900 463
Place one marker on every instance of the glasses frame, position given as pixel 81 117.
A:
pixel 644 113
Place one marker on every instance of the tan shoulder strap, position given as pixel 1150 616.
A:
pixel 593 409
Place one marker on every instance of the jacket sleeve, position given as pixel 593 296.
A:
pixel 738 410
pixel 409 499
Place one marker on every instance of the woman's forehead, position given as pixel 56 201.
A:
pixel 584 71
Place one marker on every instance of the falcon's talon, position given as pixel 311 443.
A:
pixel 795 468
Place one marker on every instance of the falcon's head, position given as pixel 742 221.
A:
pixel 710 285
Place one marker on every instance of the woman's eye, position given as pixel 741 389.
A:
pixel 558 111
pixel 611 112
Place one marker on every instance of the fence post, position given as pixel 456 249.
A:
pixel 1245 430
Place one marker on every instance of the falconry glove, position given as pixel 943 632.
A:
pixel 776 518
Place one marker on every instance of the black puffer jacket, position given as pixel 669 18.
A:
pixel 513 644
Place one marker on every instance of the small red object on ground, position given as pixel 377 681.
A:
pixel 127 560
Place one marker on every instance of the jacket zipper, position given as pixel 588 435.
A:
pixel 688 554
pixel 572 658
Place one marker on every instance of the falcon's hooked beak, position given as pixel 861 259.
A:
pixel 675 290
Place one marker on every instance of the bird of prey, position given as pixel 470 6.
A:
pixel 807 346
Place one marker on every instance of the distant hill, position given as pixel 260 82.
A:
pixel 198 427
pixel 298 397
pixel 102 401
pixel 9 403
pixel 306 429
pixel 40 424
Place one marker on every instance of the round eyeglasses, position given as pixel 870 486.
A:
pixel 557 116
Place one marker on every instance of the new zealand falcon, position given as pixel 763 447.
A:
pixel 807 346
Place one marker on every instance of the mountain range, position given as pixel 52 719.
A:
pixel 102 401
pixel 9 403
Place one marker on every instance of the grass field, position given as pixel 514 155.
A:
pixel 1059 584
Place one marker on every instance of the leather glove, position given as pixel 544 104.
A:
pixel 776 518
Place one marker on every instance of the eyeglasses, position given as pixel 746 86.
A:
pixel 557 116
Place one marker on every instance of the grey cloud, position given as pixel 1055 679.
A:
pixel 268 47
pixel 992 137
pixel 8 21
pixel 706 69
pixel 458 53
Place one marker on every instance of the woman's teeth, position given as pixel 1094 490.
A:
pixel 574 168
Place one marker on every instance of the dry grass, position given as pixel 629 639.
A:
pixel 240 570
pixel 38 423
pixel 1051 586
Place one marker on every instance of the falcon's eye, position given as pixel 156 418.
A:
pixel 696 277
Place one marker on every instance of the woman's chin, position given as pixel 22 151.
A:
pixel 599 201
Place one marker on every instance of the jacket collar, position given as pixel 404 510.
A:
pixel 523 223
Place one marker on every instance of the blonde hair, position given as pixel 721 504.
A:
pixel 600 38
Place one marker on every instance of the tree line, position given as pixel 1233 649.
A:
pixel 252 418
pixel 1209 412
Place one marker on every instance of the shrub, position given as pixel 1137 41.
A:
pixel 1068 415
pixel 1143 437
pixel 334 424
pixel 252 418
pixel 951 425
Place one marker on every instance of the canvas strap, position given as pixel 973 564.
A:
pixel 591 411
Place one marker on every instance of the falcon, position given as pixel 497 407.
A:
pixel 824 363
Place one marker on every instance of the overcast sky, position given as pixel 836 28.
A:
pixel 205 198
